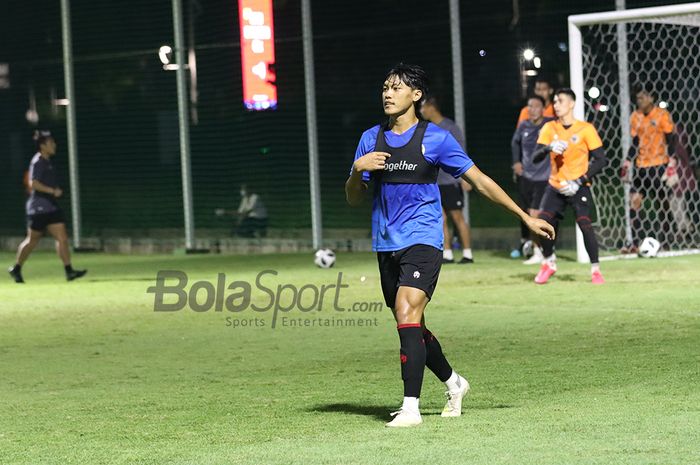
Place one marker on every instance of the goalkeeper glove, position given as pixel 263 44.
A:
pixel 670 176
pixel 626 171
pixel 570 188
pixel 559 146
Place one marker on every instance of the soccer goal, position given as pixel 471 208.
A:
pixel 610 54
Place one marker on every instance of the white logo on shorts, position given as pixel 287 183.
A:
pixel 584 199
pixel 416 274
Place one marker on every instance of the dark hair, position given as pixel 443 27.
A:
pixel 644 88
pixel 41 137
pixel 566 91
pixel 537 97
pixel 544 80
pixel 432 101
pixel 412 75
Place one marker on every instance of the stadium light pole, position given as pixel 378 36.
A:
pixel 70 123
pixel 576 73
pixel 625 106
pixel 183 117
pixel 458 83
pixel 457 73
pixel 311 129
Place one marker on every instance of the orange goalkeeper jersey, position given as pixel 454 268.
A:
pixel 573 163
pixel 524 114
pixel 651 130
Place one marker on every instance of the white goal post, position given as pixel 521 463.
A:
pixel 610 52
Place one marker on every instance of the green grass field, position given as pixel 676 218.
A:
pixel 566 373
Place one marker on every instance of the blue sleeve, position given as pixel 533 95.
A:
pixel 451 157
pixel 365 146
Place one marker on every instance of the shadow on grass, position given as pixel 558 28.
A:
pixel 562 256
pixel 381 412
pixel 530 277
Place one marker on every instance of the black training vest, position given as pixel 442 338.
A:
pixel 407 165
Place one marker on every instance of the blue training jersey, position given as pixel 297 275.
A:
pixel 408 214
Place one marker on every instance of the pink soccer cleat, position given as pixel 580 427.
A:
pixel 597 278
pixel 546 272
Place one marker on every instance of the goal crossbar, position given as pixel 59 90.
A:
pixel 637 14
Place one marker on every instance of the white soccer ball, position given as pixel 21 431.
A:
pixel 649 248
pixel 324 258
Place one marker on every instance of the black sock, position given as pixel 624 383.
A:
pixel 636 221
pixel 548 244
pixel 17 267
pixel 69 268
pixel 434 358
pixel 412 358
pixel 589 240
pixel 524 233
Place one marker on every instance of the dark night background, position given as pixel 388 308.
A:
pixel 127 108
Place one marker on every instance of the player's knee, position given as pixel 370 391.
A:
pixel 406 312
pixel 549 217
pixel 584 223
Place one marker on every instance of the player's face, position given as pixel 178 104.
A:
pixel 397 97
pixel 48 147
pixel 644 101
pixel 543 90
pixel 535 109
pixel 427 111
pixel 563 105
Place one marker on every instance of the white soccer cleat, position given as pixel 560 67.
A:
pixel 536 258
pixel 453 407
pixel 405 418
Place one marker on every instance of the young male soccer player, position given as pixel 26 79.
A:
pixel 576 157
pixel 402 158
pixel 43 213
pixel 545 90
pixel 451 189
pixel 532 177
pixel 651 128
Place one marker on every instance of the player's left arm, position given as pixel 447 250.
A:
pixel 492 191
pixel 454 160
pixel 596 155
pixel 668 128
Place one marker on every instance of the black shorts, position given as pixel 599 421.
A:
pixel 554 204
pixel 415 266
pixel 451 197
pixel 647 181
pixel 40 221
pixel 531 192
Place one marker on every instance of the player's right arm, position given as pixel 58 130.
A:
pixel 546 144
pixel 515 148
pixel 41 187
pixel 356 185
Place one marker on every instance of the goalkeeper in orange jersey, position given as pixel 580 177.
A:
pixel 577 155
pixel 651 128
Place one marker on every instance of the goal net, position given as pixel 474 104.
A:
pixel 612 55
